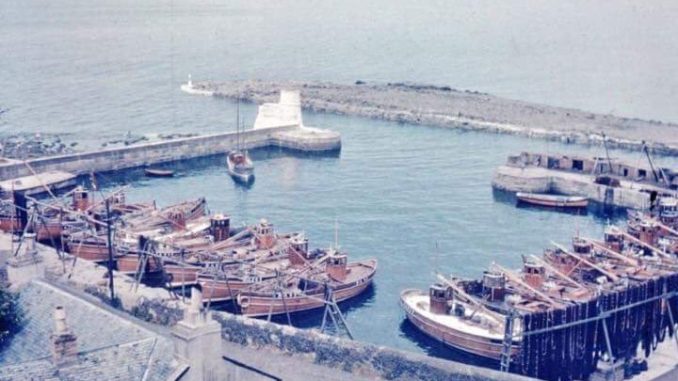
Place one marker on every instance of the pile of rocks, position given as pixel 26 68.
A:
pixel 27 146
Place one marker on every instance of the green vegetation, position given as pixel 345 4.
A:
pixel 11 315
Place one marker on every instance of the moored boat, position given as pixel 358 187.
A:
pixel 240 167
pixel 552 200
pixel 303 293
pixel 472 330
pixel 155 172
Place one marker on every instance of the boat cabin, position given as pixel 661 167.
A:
pixel 439 296
pixel 645 230
pixel 220 225
pixel 81 199
pixel 668 211
pixel 534 274
pixel 264 236
pixel 494 286
pixel 581 246
pixel 337 267
pixel 614 238
pixel 298 251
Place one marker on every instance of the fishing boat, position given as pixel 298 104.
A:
pixel 155 172
pixel 551 200
pixel 460 325
pixel 303 292
pixel 240 167
pixel 238 163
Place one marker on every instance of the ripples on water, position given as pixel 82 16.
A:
pixel 97 70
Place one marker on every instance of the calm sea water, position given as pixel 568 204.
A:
pixel 98 70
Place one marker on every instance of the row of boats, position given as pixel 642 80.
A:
pixel 473 315
pixel 262 271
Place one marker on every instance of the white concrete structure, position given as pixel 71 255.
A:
pixel 287 113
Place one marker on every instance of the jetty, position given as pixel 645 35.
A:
pixel 444 106
pixel 606 181
pixel 279 124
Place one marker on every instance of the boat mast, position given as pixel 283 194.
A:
pixel 237 123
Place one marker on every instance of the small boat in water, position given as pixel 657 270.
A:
pixel 238 162
pixel 154 172
pixel 240 167
pixel 552 200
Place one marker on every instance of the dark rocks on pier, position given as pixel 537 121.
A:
pixel 26 146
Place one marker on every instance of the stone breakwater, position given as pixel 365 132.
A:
pixel 447 107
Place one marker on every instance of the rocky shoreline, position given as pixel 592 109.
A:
pixel 444 106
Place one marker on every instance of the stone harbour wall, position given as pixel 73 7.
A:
pixel 361 359
pixel 167 151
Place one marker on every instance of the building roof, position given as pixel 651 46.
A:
pixel 110 346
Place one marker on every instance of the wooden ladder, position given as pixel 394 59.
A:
pixel 505 360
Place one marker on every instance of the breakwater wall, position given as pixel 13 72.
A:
pixel 469 110
pixel 173 150
pixel 365 360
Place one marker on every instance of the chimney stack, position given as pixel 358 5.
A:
pixel 197 340
pixel 64 342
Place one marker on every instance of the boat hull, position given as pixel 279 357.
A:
pixel 552 201
pixel 129 264
pixel 158 173
pixel 220 291
pixel 10 224
pixel 254 305
pixel 89 251
pixel 181 275
pixel 457 339
pixel 48 231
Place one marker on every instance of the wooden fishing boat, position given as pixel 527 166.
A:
pixel 155 172
pixel 472 315
pixel 238 163
pixel 551 200
pixel 345 280
pixel 240 167
pixel 462 327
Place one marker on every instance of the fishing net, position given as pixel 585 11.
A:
pixel 638 315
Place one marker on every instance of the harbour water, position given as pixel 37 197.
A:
pixel 396 191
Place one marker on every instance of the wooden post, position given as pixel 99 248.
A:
pixel 110 251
